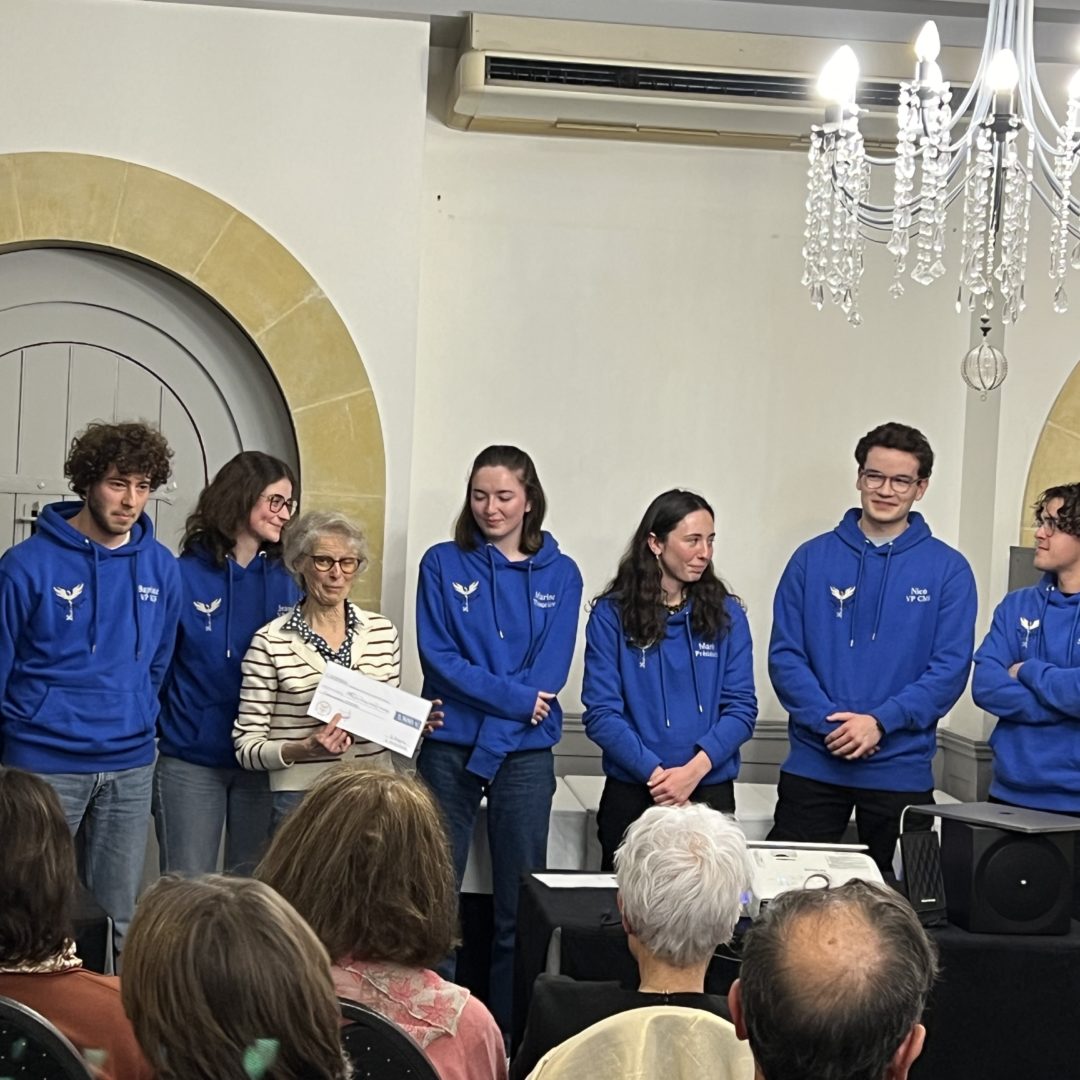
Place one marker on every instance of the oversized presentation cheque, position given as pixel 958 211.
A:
pixel 370 709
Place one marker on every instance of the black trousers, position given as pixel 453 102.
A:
pixel 811 811
pixel 621 804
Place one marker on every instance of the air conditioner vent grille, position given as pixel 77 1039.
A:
pixel 507 70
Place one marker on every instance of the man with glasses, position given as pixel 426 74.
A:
pixel 1027 670
pixel 873 627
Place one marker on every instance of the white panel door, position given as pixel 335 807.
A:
pixel 88 336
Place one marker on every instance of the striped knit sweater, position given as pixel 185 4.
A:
pixel 280 673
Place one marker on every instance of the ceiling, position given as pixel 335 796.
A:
pixel 960 22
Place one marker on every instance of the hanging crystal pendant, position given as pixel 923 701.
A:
pixel 984 367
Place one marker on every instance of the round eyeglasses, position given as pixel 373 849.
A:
pixel 1048 524
pixel 279 502
pixel 324 564
pixel 875 481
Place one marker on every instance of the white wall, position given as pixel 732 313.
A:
pixel 313 125
pixel 632 315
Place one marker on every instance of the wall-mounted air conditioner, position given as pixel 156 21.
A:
pixel 711 88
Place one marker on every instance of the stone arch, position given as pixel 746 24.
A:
pixel 83 200
pixel 1057 453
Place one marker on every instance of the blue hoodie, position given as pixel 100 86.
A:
pixel 222 608
pixel 86 633
pixel 884 630
pixel 492 634
pixel 1036 741
pixel 662 704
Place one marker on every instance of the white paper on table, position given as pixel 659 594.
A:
pixel 576 881
pixel 370 709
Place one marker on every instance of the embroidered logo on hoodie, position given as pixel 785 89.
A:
pixel 842 595
pixel 466 591
pixel 1029 626
pixel 149 592
pixel 70 596
pixel 544 599
pixel 207 609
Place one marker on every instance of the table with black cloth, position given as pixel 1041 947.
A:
pixel 1005 1007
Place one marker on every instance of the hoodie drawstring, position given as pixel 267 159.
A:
pixel 855 598
pixel 94 617
pixel 693 663
pixel 881 592
pixel 229 605
pixel 494 590
pixel 138 606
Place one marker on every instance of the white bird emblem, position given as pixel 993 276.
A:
pixel 842 595
pixel 1028 626
pixel 466 591
pixel 70 595
pixel 207 609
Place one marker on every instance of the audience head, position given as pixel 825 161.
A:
pixel 322 536
pixel 521 466
pixel 252 493
pixel 682 872
pixel 37 869
pixel 376 839
pixel 223 980
pixel 833 984
pixel 127 449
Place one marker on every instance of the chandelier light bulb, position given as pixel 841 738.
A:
pixel 1074 87
pixel 1003 74
pixel 934 77
pixel 928 43
pixel 838 77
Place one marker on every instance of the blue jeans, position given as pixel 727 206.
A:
pixel 194 803
pixel 113 811
pixel 518 809
pixel 283 804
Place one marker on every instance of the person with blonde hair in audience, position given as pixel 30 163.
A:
pixel 324 551
pixel 224 981
pixel 38 964
pixel 833 984
pixel 681 873
pixel 366 860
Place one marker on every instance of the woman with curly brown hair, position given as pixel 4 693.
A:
pixel 224 981
pixel 366 861
pixel 234 583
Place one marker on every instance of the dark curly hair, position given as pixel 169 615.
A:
pixel 225 504
pixel 134 448
pixel 636 590
pixel 466 534
pixel 1068 517
pixel 897 436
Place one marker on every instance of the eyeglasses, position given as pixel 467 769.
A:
pixel 875 481
pixel 1048 524
pixel 348 565
pixel 278 502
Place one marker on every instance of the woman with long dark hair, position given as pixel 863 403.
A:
pixel 234 583
pixel 669 677
pixel 496 616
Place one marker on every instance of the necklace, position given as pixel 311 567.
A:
pixel 674 609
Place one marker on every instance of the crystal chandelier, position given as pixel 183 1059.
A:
pixel 1000 144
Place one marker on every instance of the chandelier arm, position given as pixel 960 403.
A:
pixel 1029 79
pixel 1049 199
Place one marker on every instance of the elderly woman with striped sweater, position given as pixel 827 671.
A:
pixel 324 551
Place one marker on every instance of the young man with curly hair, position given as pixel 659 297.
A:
pixel 1027 670
pixel 873 628
pixel 88 613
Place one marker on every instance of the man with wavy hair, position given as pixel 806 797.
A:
pixel 88 613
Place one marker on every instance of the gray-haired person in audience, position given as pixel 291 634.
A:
pixel 833 984
pixel 325 552
pixel 681 872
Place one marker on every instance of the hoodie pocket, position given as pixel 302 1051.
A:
pixel 93 720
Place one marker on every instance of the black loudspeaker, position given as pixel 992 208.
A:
pixel 921 856
pixel 1004 882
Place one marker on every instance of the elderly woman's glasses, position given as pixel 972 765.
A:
pixel 278 502
pixel 324 564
